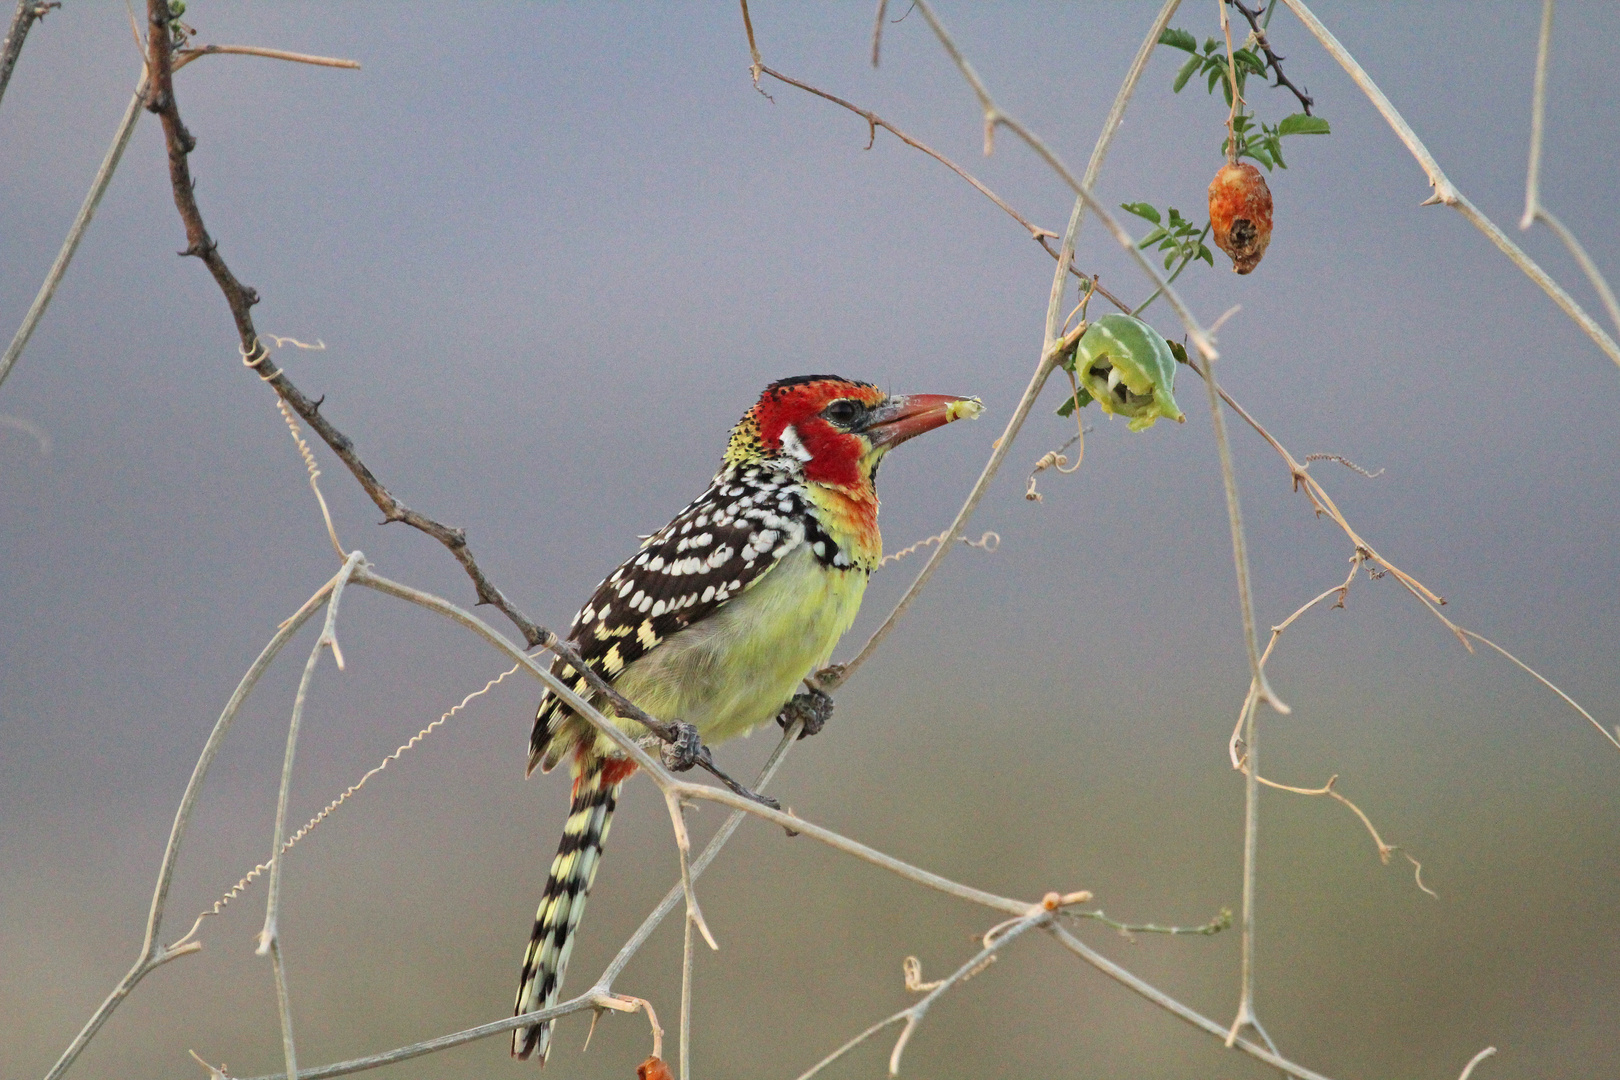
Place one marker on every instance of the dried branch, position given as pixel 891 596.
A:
pixel 1176 1008
pixel 240 298
pixel 92 200
pixel 269 936
pixel 153 954
pixel 331 807
pixel 1273 61
pixel 186 56
pixel 1445 191
pixel 1052 352
pixel 1468 1070
pixel 1533 210
pixel 1538 108
pixel 28 13
pixel 874 121
pixel 1222 921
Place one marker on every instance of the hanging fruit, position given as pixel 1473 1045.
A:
pixel 1240 214
pixel 1127 367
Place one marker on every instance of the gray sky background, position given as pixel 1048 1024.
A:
pixel 554 252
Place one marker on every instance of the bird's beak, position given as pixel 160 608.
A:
pixel 903 417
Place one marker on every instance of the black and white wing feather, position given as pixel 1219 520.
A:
pixel 729 538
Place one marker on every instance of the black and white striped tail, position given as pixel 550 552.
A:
pixel 596 793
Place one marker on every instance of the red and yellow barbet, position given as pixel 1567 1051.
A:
pixel 720 616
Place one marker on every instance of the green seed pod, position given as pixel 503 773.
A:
pixel 1127 367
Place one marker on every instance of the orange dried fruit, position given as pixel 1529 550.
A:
pixel 1240 214
pixel 653 1069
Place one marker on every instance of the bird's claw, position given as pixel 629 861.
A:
pixel 686 751
pixel 813 708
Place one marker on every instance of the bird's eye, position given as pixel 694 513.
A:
pixel 842 413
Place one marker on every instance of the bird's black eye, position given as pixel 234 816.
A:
pixel 844 412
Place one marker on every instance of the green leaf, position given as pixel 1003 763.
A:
pixel 1245 58
pixel 1178 350
pixel 1068 406
pixel 1185 73
pixel 1210 45
pixel 1143 210
pixel 1217 74
pixel 1203 253
pixel 1259 154
pixel 1178 39
pixel 1170 258
pixel 1300 124
pixel 1151 238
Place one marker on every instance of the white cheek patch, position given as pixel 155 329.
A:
pixel 792 445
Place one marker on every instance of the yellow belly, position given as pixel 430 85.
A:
pixel 736 669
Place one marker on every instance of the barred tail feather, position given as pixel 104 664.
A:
pixel 596 793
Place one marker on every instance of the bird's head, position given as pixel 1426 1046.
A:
pixel 834 431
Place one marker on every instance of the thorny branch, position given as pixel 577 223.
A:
pixel 240 298
pixel 1273 61
pixel 28 13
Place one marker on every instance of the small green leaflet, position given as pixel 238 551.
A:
pixel 1300 124
pixel 1141 210
pixel 1178 39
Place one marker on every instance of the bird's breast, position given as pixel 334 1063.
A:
pixel 735 670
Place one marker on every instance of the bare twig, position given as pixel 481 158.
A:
pixel 28 13
pixel 269 936
pixel 1039 917
pixel 1468 1070
pixel 1051 354
pixel 874 121
pixel 1346 462
pixel 686 995
pixel 92 200
pixel 832 677
pixel 1099 154
pixel 153 954
pixel 1445 191
pixel 877 29
pixel 994 117
pixel 1548 684
pixel 1236 102
pixel 197 52
pixel 1538 108
pixel 1220 922
pixel 331 807
pixel 1176 1008
pixel 753 70
pixel 1533 209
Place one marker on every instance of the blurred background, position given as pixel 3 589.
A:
pixel 554 252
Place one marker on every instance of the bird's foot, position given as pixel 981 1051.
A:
pixel 686 751
pixel 812 707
